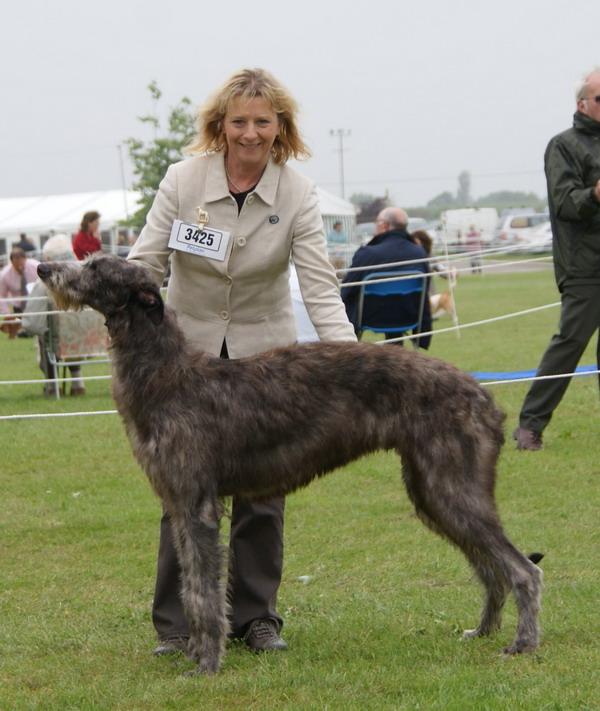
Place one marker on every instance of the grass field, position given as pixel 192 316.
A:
pixel 376 625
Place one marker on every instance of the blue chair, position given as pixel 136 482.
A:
pixel 386 297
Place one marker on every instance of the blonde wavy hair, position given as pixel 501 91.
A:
pixel 248 84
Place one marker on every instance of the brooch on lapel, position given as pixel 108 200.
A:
pixel 202 217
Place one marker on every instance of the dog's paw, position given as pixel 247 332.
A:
pixel 200 670
pixel 518 647
pixel 469 634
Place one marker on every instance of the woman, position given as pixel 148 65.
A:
pixel 229 285
pixel 421 238
pixel 57 249
pixel 87 240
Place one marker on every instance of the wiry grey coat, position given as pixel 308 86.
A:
pixel 265 425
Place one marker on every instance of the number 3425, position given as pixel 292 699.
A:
pixel 199 237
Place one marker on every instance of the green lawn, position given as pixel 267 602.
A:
pixel 378 623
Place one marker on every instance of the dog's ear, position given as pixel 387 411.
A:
pixel 151 300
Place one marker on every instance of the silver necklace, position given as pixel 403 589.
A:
pixel 237 187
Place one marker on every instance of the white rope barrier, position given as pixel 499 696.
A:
pixel 34 416
pixel 391 340
pixel 51 381
pixel 499 251
pixel 385 342
pixel 10 299
pixel 526 379
pixel 42 313
pixel 39 415
pixel 483 267
pixel 469 325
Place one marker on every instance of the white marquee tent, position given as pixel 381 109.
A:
pixel 62 213
pixel 48 214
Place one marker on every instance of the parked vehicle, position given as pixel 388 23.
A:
pixel 364 232
pixel 512 228
pixel 536 240
pixel 457 223
pixel 417 223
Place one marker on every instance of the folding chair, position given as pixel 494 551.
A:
pixel 379 299
pixel 74 338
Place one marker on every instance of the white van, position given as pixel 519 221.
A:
pixel 457 223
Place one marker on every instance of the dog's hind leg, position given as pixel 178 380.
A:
pixel 496 592
pixel 470 521
pixel 196 534
pixel 524 578
pixel 526 581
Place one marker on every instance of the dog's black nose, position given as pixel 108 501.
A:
pixel 43 270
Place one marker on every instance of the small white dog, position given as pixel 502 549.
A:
pixel 443 303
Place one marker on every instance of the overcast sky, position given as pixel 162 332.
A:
pixel 426 88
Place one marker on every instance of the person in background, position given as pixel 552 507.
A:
pixel 337 239
pixel 239 190
pixel 14 280
pixel 87 240
pixel 57 248
pixel 25 243
pixel 391 243
pixel 423 239
pixel 572 164
pixel 336 234
pixel 473 243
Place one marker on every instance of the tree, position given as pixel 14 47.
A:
pixel 152 158
pixel 359 198
pixel 369 206
pixel 463 194
pixel 442 200
pixel 503 199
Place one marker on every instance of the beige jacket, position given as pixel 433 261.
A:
pixel 245 298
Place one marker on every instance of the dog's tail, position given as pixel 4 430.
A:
pixel 535 557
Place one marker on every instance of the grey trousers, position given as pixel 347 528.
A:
pixel 255 567
pixel 579 318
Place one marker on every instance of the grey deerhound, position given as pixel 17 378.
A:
pixel 204 427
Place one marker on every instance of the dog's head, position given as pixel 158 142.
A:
pixel 105 282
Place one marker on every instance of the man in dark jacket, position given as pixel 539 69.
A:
pixel 572 164
pixel 391 243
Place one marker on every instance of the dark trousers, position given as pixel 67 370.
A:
pixel 255 565
pixel 579 318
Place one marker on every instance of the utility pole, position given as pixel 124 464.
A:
pixel 123 183
pixel 341 133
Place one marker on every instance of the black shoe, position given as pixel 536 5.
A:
pixel 171 646
pixel 262 636
pixel 528 439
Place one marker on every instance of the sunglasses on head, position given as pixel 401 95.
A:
pixel 594 98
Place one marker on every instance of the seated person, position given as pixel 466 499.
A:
pixel 391 243
pixel 337 242
pixel 57 248
pixel 14 280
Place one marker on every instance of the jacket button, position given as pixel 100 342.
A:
pixel 227 280
pixel 224 315
pixel 250 199
pixel 241 241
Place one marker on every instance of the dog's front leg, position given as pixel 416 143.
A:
pixel 196 532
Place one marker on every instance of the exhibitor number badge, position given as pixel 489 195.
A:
pixel 205 242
